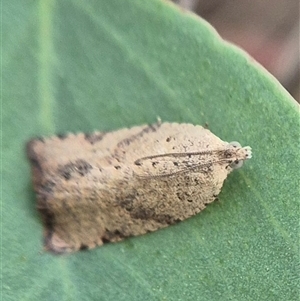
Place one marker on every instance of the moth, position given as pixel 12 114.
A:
pixel 106 186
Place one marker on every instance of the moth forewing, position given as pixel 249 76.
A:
pixel 170 164
pixel 103 187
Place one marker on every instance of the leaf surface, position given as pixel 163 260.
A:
pixel 71 66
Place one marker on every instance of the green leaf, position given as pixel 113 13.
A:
pixel 83 65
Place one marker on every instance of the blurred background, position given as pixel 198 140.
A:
pixel 267 29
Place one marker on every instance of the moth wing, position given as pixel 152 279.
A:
pixel 168 164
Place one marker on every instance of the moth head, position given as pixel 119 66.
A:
pixel 240 154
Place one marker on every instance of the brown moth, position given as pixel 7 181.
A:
pixel 103 187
